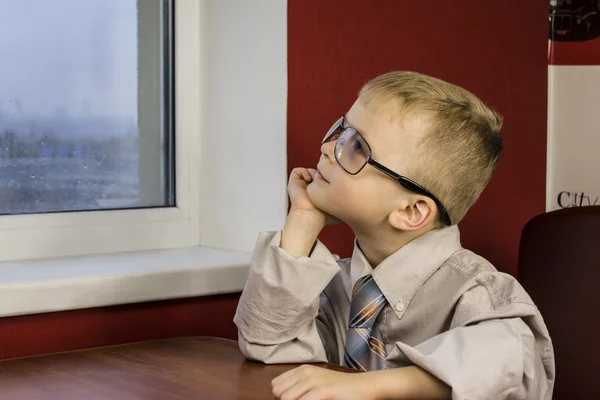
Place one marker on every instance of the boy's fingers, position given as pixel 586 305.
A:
pixel 306 175
pixel 284 376
pixel 283 383
pixel 283 387
pixel 315 395
pixel 298 390
pixel 296 175
pixel 301 173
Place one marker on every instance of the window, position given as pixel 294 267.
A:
pixel 79 129
pixel 88 157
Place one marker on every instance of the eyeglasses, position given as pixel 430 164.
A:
pixel 352 153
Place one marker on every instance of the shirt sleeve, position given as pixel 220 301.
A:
pixel 278 315
pixel 497 356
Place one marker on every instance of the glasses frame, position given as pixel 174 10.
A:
pixel 341 125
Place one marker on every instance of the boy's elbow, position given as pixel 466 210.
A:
pixel 253 352
pixel 282 353
pixel 243 346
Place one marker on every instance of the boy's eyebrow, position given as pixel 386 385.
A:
pixel 346 123
pixel 362 133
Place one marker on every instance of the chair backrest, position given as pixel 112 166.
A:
pixel 559 266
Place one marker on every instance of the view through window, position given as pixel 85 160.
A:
pixel 85 105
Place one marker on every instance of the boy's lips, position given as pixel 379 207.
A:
pixel 320 176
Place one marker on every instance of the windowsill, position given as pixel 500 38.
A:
pixel 32 287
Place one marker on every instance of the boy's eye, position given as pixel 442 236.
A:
pixel 358 147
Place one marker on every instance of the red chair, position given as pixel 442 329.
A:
pixel 559 266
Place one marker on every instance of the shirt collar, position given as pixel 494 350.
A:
pixel 400 276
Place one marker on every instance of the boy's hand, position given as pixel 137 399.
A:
pixel 300 178
pixel 309 382
pixel 305 221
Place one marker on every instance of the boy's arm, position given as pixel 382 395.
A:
pixel 277 312
pixel 496 350
pixel 489 353
pixel 277 316
pixel 300 233
pixel 309 382
pixel 409 383
pixel 491 360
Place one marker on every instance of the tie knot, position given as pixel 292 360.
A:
pixel 367 302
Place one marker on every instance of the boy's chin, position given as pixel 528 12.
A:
pixel 330 211
pixel 317 198
pixel 313 193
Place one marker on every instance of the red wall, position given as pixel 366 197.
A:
pixel 495 48
pixel 63 331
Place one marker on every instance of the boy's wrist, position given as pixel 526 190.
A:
pixel 300 232
pixel 314 220
pixel 408 382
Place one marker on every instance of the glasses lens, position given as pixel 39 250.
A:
pixel 351 150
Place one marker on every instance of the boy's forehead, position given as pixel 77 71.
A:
pixel 386 121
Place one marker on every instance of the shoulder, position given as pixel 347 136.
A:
pixel 488 293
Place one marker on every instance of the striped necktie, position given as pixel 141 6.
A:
pixel 364 344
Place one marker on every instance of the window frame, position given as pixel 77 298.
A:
pixel 37 236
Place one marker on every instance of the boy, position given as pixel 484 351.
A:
pixel 423 317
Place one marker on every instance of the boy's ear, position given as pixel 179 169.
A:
pixel 414 214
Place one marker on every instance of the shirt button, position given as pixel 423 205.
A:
pixel 400 305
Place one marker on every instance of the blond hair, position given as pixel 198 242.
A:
pixel 457 156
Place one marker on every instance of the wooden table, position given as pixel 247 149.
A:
pixel 172 369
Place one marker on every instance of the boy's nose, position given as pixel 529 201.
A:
pixel 327 150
